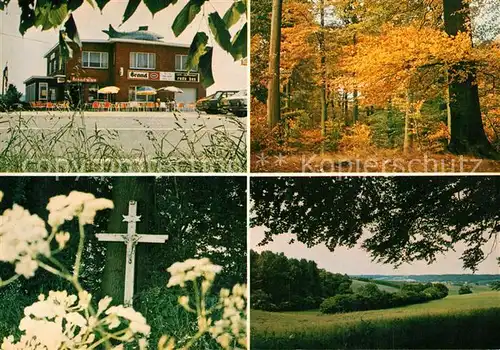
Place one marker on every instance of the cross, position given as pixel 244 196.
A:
pixel 131 239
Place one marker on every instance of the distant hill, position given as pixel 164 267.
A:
pixel 450 278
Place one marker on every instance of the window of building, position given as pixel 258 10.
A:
pixel 43 91
pixel 92 59
pixel 31 92
pixel 132 95
pixel 181 63
pixel 52 66
pixel 142 60
pixel 52 94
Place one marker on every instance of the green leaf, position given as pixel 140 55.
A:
pixel 3 4
pixel 49 17
pixel 233 14
pixel 64 48
pixel 157 5
pixel 74 4
pixel 27 15
pixel 197 49
pixel 205 66
pixel 57 16
pixel 239 44
pixel 131 7
pixel 101 3
pixel 71 30
pixel 219 31
pixel 186 16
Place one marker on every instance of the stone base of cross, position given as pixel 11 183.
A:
pixel 131 239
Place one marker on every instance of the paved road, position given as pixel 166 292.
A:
pixel 134 129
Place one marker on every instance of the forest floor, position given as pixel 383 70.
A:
pixel 453 322
pixel 379 161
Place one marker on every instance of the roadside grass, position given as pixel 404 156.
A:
pixel 457 321
pixel 72 148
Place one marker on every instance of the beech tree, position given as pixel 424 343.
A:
pixel 467 133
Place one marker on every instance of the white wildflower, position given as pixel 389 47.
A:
pixel 76 204
pixel 138 323
pixel 62 238
pixel 22 239
pixel 190 270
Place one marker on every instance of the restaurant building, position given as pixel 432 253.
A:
pixel 126 60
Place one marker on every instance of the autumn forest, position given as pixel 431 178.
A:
pixel 338 83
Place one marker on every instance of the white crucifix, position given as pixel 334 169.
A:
pixel 131 239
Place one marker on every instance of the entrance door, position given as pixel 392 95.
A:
pixel 188 96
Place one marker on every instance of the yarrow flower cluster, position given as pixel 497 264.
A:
pixel 230 330
pixel 77 204
pixel 22 238
pixel 62 321
pixel 190 270
pixel 232 326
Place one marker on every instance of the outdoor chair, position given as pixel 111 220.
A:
pixel 180 106
pixel 49 106
pixel 150 106
pixel 163 106
pixel 95 106
pixel 134 106
pixel 107 106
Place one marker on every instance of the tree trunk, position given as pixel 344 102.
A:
pixel 273 97
pixel 322 49
pixel 406 140
pixel 345 106
pixel 448 109
pixel 355 110
pixel 467 132
pixel 124 190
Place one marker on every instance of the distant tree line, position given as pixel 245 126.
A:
pixel 283 284
pixel 495 285
pixel 370 297
pixel 380 282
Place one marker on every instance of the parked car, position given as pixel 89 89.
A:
pixel 213 104
pixel 237 103
pixel 18 106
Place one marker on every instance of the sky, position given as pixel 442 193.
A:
pixel 25 55
pixel 357 261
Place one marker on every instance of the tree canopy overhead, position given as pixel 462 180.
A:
pixel 396 219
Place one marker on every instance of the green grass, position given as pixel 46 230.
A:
pixel 457 321
pixel 476 289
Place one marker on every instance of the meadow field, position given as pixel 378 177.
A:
pixel 457 321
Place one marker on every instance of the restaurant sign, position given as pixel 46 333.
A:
pixel 164 76
pixel 83 79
